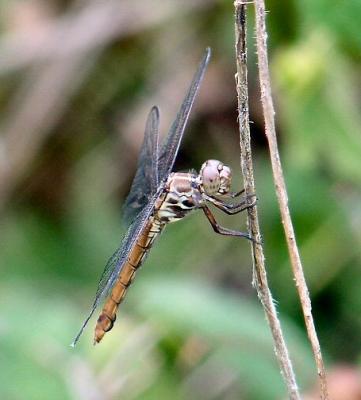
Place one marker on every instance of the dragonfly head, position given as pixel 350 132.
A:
pixel 215 178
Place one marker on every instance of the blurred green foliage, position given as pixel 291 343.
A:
pixel 192 326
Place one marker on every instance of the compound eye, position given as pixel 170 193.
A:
pixel 210 175
pixel 226 172
pixel 210 179
pixel 226 177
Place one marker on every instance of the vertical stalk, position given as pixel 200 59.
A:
pixel 259 271
pixel 281 191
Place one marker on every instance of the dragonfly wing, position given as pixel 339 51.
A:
pixel 172 142
pixel 151 171
pixel 117 260
pixel 145 182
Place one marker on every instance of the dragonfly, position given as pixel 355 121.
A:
pixel 158 197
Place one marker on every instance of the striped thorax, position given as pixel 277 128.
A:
pixel 182 196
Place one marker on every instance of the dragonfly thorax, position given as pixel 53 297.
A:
pixel 182 196
pixel 215 178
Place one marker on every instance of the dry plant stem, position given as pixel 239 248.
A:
pixel 259 271
pixel 268 111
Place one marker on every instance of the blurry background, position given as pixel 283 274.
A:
pixel 77 79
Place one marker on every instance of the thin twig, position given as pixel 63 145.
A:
pixel 280 186
pixel 259 270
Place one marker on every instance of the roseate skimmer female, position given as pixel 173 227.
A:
pixel 158 197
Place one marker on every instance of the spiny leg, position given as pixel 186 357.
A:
pixel 235 194
pixel 221 230
pixel 231 209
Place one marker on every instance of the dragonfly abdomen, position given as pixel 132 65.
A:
pixel 135 259
pixel 179 198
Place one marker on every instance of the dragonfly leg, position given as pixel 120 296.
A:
pixel 231 209
pixel 236 194
pixel 221 230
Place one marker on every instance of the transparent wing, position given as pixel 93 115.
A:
pixel 172 142
pixel 146 185
pixel 117 260
pixel 145 182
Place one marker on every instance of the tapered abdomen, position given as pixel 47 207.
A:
pixel 178 200
pixel 136 256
